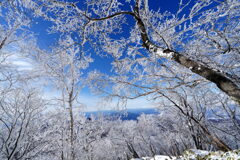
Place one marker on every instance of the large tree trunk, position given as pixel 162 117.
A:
pixel 223 82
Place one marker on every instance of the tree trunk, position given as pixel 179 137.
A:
pixel 223 82
pixel 132 150
pixel 72 156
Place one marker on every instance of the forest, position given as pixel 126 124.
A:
pixel 57 56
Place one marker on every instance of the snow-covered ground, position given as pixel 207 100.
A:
pixel 198 154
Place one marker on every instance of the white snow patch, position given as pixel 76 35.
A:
pixel 159 52
pixel 157 157
pixel 196 154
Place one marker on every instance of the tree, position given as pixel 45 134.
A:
pixel 13 26
pixel 20 117
pixel 226 122
pixel 14 34
pixel 166 56
pixel 195 119
pixel 64 67
pixel 20 106
pixel 199 40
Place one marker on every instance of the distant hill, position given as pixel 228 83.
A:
pixel 129 114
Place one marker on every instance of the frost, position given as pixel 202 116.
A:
pixel 159 52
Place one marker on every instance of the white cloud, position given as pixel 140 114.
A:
pixel 22 65
pixel 19 62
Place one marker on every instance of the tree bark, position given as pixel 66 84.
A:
pixel 3 42
pixel 132 150
pixel 223 82
pixel 72 155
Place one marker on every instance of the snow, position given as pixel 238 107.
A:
pixel 198 154
pixel 157 157
pixel 163 158
pixel 159 52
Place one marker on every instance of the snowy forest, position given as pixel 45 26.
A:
pixel 182 56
